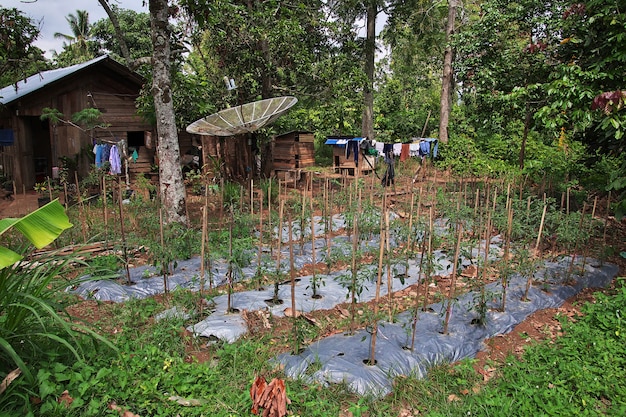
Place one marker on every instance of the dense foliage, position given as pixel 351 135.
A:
pixel 19 58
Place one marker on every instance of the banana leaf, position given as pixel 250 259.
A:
pixel 41 227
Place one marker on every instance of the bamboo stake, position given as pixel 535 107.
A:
pixel 430 254
pixel 124 245
pixel 580 227
pixel 389 278
pixel 260 237
pixel 453 279
pixel 486 257
pixel 417 288
pixel 302 222
pixel 381 251
pixel 165 267
pixel 49 188
pixel 507 246
pixel 281 204
pixel 606 218
pixel 269 215
pixel 229 308
pixel 593 215
pixel 408 240
pixel 355 242
pixel 329 229
pixel 292 276
pixel 81 209
pixel 104 208
pixel 66 203
pixel 221 199
pixel 202 254
pixel 536 251
pixel 313 260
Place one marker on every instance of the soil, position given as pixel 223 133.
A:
pixel 540 326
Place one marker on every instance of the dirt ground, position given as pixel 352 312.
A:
pixel 541 325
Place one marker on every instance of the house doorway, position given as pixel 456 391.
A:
pixel 38 132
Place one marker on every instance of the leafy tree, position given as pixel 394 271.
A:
pixel 132 27
pixel 408 93
pixel 587 85
pixel 19 58
pixel 505 56
pixel 79 46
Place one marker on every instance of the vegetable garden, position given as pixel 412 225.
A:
pixel 355 296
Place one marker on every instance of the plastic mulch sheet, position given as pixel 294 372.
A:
pixel 340 358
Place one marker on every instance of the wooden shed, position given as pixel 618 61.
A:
pixel 344 160
pixel 292 151
pixel 32 148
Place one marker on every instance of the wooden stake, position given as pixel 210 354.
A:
pixel 381 252
pixel 281 205
pixel 123 235
pixel 313 260
pixel 292 276
pixel 260 237
pixel 430 254
pixel 389 277
pixel 229 308
pixel 453 278
pixel 81 210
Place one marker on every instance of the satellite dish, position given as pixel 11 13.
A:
pixel 242 119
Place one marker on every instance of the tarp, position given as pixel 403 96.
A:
pixel 341 141
pixel 7 137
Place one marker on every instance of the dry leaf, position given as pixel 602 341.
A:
pixel 272 397
pixel 9 378
pixel 343 311
pixel 471 271
pixel 256 390
pixel 453 397
pixel 65 399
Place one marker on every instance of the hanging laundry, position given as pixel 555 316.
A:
pixel 106 152
pixel 414 149
pixel 404 153
pixel 424 149
pixel 135 155
pixel 389 177
pixel 98 151
pixel 352 148
pixel 114 159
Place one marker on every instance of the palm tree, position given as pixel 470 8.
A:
pixel 81 32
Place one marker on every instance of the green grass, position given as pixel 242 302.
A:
pixel 582 373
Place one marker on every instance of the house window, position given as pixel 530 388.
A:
pixel 136 139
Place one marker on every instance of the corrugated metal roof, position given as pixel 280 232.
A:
pixel 35 82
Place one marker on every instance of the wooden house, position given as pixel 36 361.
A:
pixel 344 159
pixel 31 149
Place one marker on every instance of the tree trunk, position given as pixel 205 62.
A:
pixel 367 127
pixel 447 81
pixel 170 173
pixel 118 32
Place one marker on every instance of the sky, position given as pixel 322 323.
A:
pixel 50 16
